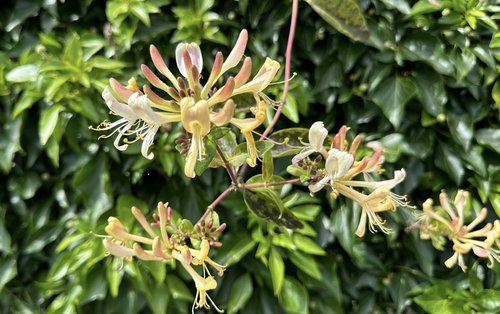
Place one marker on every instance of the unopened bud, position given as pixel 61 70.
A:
pixel 220 228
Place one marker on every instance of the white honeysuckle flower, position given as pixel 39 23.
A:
pixel 194 54
pixel 317 136
pixel 337 165
pixel 137 119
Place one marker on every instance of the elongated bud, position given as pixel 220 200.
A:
pixel 244 73
pixel 222 94
pixel 221 228
pixel 161 66
pixel 121 92
pixel 235 55
pixel 156 101
pixel 145 255
pixel 225 114
pixel 139 216
pixel 116 249
pixel 214 74
pixel 153 79
pixel 187 56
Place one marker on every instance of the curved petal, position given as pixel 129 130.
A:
pixel 317 135
pixel 194 54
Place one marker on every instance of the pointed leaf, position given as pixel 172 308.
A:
pixel 277 269
pixel 344 15
pixel 240 294
pixel 392 95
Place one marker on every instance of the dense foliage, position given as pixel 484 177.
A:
pixel 420 77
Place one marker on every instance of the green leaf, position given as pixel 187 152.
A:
pixel 344 15
pixel 432 96
pixel 8 270
pixel 288 140
pixel 489 138
pixel 464 62
pixel 124 204
pixel 495 94
pixel 401 5
pixel 10 142
pixel 235 249
pixel 268 205
pixel 290 109
pixel 25 185
pixel 23 73
pixel 73 51
pixel 294 297
pixel 307 245
pixel 447 160
pixel 306 263
pixel 461 128
pixel 241 292
pixel 158 298
pixel 267 166
pixel 48 122
pixel 5 239
pixel 93 184
pixel 210 152
pixel 139 10
pixel 178 289
pixel 24 102
pixel 495 41
pixel 392 95
pixel 277 269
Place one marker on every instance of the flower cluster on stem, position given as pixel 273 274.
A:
pixel 448 220
pixel 197 107
pixel 340 170
pixel 166 240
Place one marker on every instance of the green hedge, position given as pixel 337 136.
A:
pixel 422 78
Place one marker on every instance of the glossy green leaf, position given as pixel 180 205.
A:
pixel 5 238
pixel 306 263
pixel 288 140
pixel 178 289
pixel 267 166
pixel 235 249
pixel 240 294
pixel 73 50
pixel 490 138
pixel 48 122
pixel 345 16
pixel 277 269
pixel 268 205
pixel 8 270
pixel 10 142
pixel 447 160
pixel 495 94
pixel 431 91
pixel 290 109
pixel 294 297
pixel 392 95
pixel 22 73
pixel 461 129
pixel 307 245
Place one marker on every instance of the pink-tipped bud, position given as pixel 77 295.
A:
pixel 235 55
pixel 244 73
pixel 159 102
pixel 222 94
pixel 210 224
pixel 221 228
pixel 216 244
pixel 122 93
pixel 153 79
pixel 161 66
pixel 181 83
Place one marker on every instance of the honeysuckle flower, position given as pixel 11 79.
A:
pixel 162 247
pixel 317 136
pixel 448 220
pixel 340 172
pixel 138 119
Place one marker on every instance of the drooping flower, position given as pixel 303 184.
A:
pixel 448 221
pixel 340 171
pixel 317 136
pixel 164 247
pixel 138 119
pixel 193 104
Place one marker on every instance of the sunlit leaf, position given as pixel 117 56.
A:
pixel 345 16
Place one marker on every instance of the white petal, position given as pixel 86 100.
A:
pixel 317 135
pixel 338 163
pixel 319 185
pixel 194 53
pixel 302 155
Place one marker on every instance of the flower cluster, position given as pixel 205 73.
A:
pixel 197 107
pixel 340 169
pixel 447 220
pixel 159 245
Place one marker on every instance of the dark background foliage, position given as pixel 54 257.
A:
pixel 425 84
